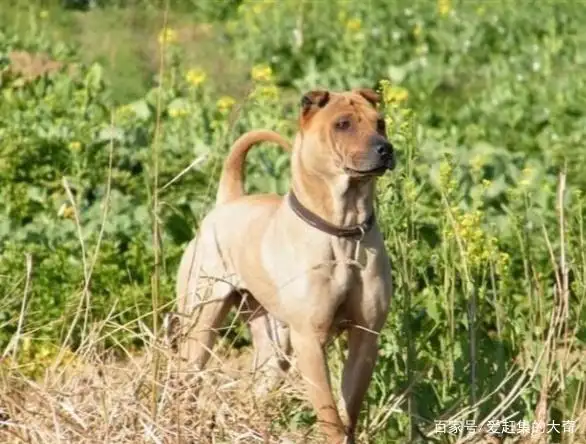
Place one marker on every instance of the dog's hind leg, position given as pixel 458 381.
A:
pixel 272 350
pixel 199 325
pixel 270 342
pixel 201 328
pixel 205 297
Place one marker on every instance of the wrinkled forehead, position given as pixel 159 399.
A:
pixel 349 103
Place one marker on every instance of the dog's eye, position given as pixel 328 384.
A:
pixel 381 127
pixel 343 124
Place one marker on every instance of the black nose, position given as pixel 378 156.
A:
pixel 384 149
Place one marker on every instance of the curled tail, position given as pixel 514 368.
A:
pixel 232 179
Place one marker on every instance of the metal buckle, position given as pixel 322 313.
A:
pixel 362 232
pixel 359 244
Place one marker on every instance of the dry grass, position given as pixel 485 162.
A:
pixel 99 398
pixel 95 399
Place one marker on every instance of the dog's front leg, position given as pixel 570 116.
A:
pixel 362 354
pixel 370 313
pixel 311 361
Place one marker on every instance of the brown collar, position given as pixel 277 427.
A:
pixel 354 231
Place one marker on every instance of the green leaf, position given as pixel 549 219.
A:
pixel 141 109
pixel 111 133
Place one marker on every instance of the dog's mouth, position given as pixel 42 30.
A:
pixel 377 171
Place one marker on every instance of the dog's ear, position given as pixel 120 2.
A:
pixel 312 101
pixel 369 94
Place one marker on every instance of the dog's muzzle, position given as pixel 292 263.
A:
pixel 385 152
pixel 379 158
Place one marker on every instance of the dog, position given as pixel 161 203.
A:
pixel 309 264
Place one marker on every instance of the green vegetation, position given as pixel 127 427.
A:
pixel 485 103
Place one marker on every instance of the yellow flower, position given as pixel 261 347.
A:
pixel 124 111
pixel 224 103
pixel 195 76
pixel 177 112
pixel 502 263
pixel 44 14
pixel 394 94
pixel 262 73
pixel 268 92
pixel 444 7
pixel 480 11
pixel 167 35
pixel 445 174
pixel 478 246
pixel 66 212
pixel 354 24
pixel 74 146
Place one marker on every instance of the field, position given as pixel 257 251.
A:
pixel 114 121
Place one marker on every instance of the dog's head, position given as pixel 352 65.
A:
pixel 343 134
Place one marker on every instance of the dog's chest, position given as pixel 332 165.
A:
pixel 342 280
pixel 344 273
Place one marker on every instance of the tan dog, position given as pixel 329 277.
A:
pixel 314 260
